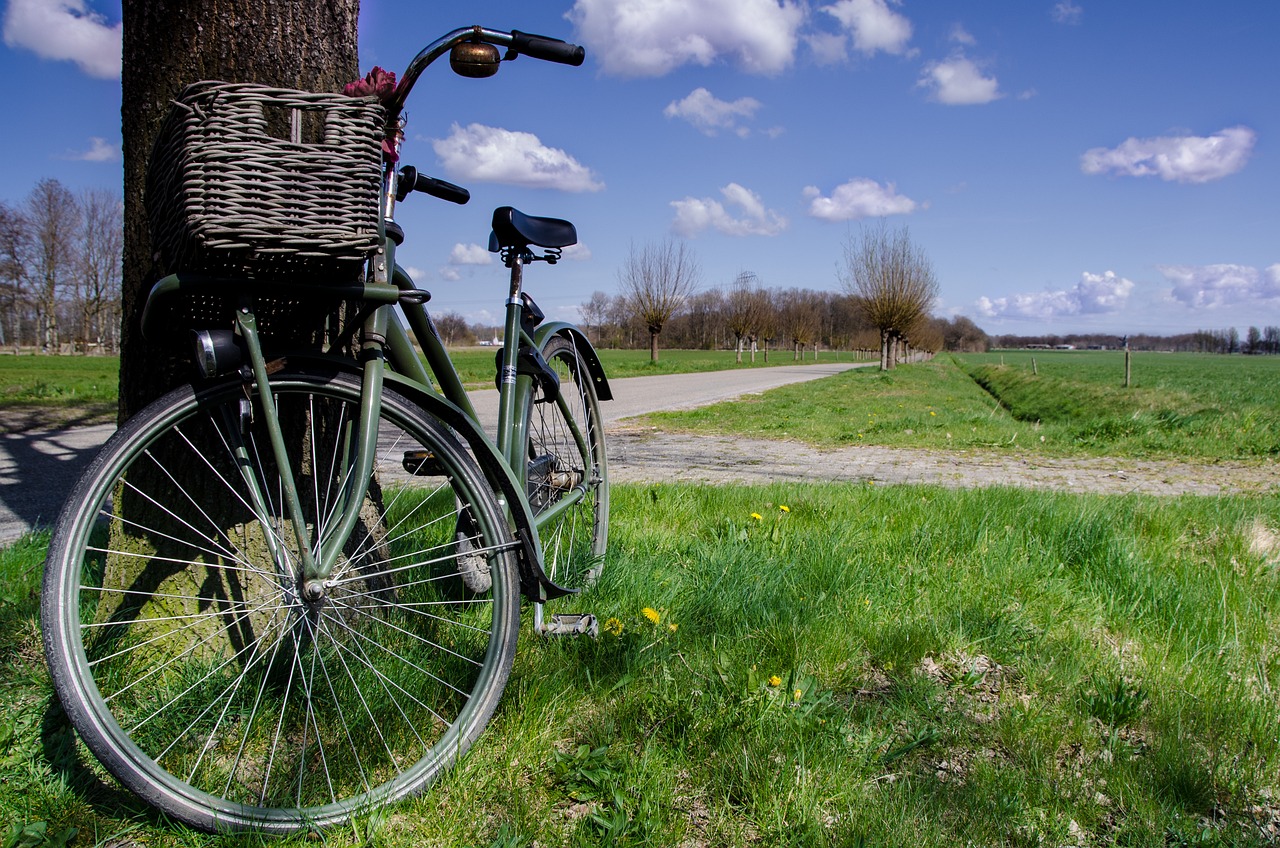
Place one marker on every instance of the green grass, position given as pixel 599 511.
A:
pixel 58 380
pixel 834 665
pixel 1192 407
pixel 69 380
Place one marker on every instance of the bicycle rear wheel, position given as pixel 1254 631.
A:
pixel 567 481
pixel 195 669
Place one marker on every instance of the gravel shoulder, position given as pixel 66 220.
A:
pixel 645 455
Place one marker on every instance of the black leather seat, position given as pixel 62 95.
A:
pixel 513 228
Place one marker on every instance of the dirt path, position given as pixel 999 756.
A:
pixel 641 455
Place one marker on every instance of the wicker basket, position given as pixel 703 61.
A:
pixel 266 182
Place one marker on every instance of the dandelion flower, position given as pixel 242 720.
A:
pixel 797 694
pixel 775 680
pixel 613 627
pixel 757 516
pixel 673 627
pixel 933 413
pixel 652 614
pixel 784 507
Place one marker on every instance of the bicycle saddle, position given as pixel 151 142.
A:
pixel 513 228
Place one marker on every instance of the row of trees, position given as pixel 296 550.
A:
pixel 1254 341
pixel 60 269
pixel 888 289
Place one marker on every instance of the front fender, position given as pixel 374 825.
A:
pixel 586 352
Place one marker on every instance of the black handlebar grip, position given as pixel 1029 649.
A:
pixel 550 49
pixel 411 180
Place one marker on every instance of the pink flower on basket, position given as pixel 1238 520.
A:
pixel 379 83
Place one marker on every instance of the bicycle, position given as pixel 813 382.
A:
pixel 290 591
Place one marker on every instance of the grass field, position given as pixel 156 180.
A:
pixel 1185 406
pixel 845 664
pixel 831 665
pixel 66 380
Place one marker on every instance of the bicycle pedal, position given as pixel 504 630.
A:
pixel 571 624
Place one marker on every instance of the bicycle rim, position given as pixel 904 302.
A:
pixel 188 659
pixel 566 460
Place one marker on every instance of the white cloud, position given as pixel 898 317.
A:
pixel 828 48
pixel 873 25
pixel 1213 286
pixel 1066 12
pixel 469 254
pixel 858 198
pixel 957 81
pixel 1183 159
pixel 450 275
pixel 490 154
pixel 708 114
pixel 577 252
pixel 99 151
pixel 65 30
pixel 642 38
pixel 1095 294
pixel 693 215
pixel 960 35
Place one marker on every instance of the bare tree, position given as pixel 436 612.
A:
pixel 656 281
pixel 54 218
pixel 98 267
pixel 594 313
pixel 893 282
pixel 742 309
pixel 453 328
pixel 14 244
pixel 799 316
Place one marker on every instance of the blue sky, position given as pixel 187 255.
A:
pixel 1068 165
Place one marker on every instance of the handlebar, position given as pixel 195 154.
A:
pixel 537 46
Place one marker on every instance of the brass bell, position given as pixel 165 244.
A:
pixel 474 59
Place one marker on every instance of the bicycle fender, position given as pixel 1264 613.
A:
pixel 588 353
pixel 534 583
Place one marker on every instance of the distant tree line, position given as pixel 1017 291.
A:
pixel 60 269
pixel 1255 341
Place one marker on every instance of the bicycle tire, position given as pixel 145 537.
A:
pixel 574 542
pixel 190 662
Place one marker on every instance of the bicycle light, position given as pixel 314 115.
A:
pixel 217 352
pixel 474 59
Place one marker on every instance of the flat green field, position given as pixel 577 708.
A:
pixel 827 665
pixel 1182 406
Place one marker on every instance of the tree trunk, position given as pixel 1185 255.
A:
pixel 288 43
pixel 653 346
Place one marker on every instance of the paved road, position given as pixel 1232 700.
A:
pixel 38 468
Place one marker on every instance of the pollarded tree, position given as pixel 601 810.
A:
pixel 656 282
pixel 893 281
pixel 287 43
pixel 742 309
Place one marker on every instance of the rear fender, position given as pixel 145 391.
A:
pixel 586 352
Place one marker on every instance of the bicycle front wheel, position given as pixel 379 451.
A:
pixel 189 658
pixel 567 480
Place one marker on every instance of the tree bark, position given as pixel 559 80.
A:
pixel 168 45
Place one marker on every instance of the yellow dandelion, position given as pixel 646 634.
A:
pixel 652 614
pixel 613 627
pixel 775 680
pixel 797 694
pixel 784 507
pixel 757 516
pixel 673 627
pixel 933 413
